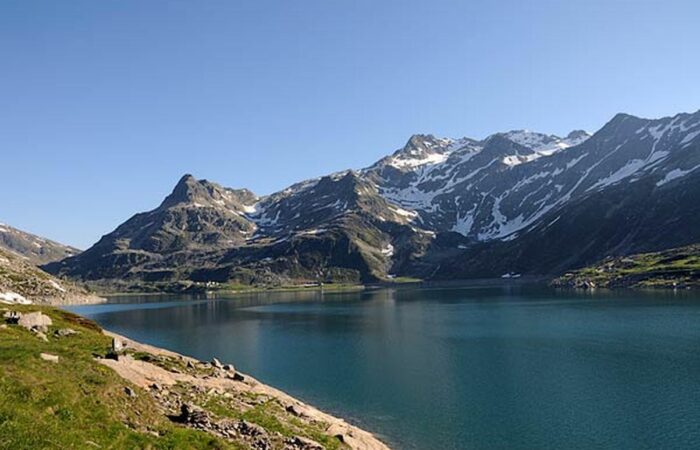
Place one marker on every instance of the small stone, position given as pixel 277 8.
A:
pixel 3 326
pixel 49 357
pixel 293 410
pixel 238 377
pixel 63 332
pixel 190 365
pixel 156 387
pixel 130 392
pixel 216 363
pixel 229 367
pixel 302 443
pixel 42 336
pixel 193 415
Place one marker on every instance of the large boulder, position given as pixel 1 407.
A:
pixel 35 321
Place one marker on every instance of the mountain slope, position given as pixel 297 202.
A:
pixel 337 228
pixel 515 202
pixel 34 249
pixel 650 208
pixel 21 282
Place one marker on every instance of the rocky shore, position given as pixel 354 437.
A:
pixel 187 389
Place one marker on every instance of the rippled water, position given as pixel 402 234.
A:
pixel 457 368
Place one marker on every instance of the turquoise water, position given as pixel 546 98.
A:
pixel 457 368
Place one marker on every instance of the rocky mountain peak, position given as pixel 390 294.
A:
pixel 421 149
pixel 578 135
pixel 187 190
pixel 202 193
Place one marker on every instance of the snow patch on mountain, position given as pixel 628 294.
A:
pixel 675 174
pixel 540 144
pixel 13 298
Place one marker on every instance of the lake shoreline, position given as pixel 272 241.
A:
pixel 146 375
pixel 151 393
pixel 331 288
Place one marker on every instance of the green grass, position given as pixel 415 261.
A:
pixel 77 403
pixel 666 269
pixel 405 280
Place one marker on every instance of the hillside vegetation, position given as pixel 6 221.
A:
pixel 675 268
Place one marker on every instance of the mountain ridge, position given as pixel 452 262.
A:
pixel 34 249
pixel 433 202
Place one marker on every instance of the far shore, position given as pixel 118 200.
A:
pixel 331 287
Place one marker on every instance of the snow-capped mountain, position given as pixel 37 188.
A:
pixel 436 200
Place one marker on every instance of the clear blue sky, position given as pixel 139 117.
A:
pixel 105 104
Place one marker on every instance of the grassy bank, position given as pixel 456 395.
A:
pixel 79 402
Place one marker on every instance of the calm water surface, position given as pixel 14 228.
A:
pixel 457 368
